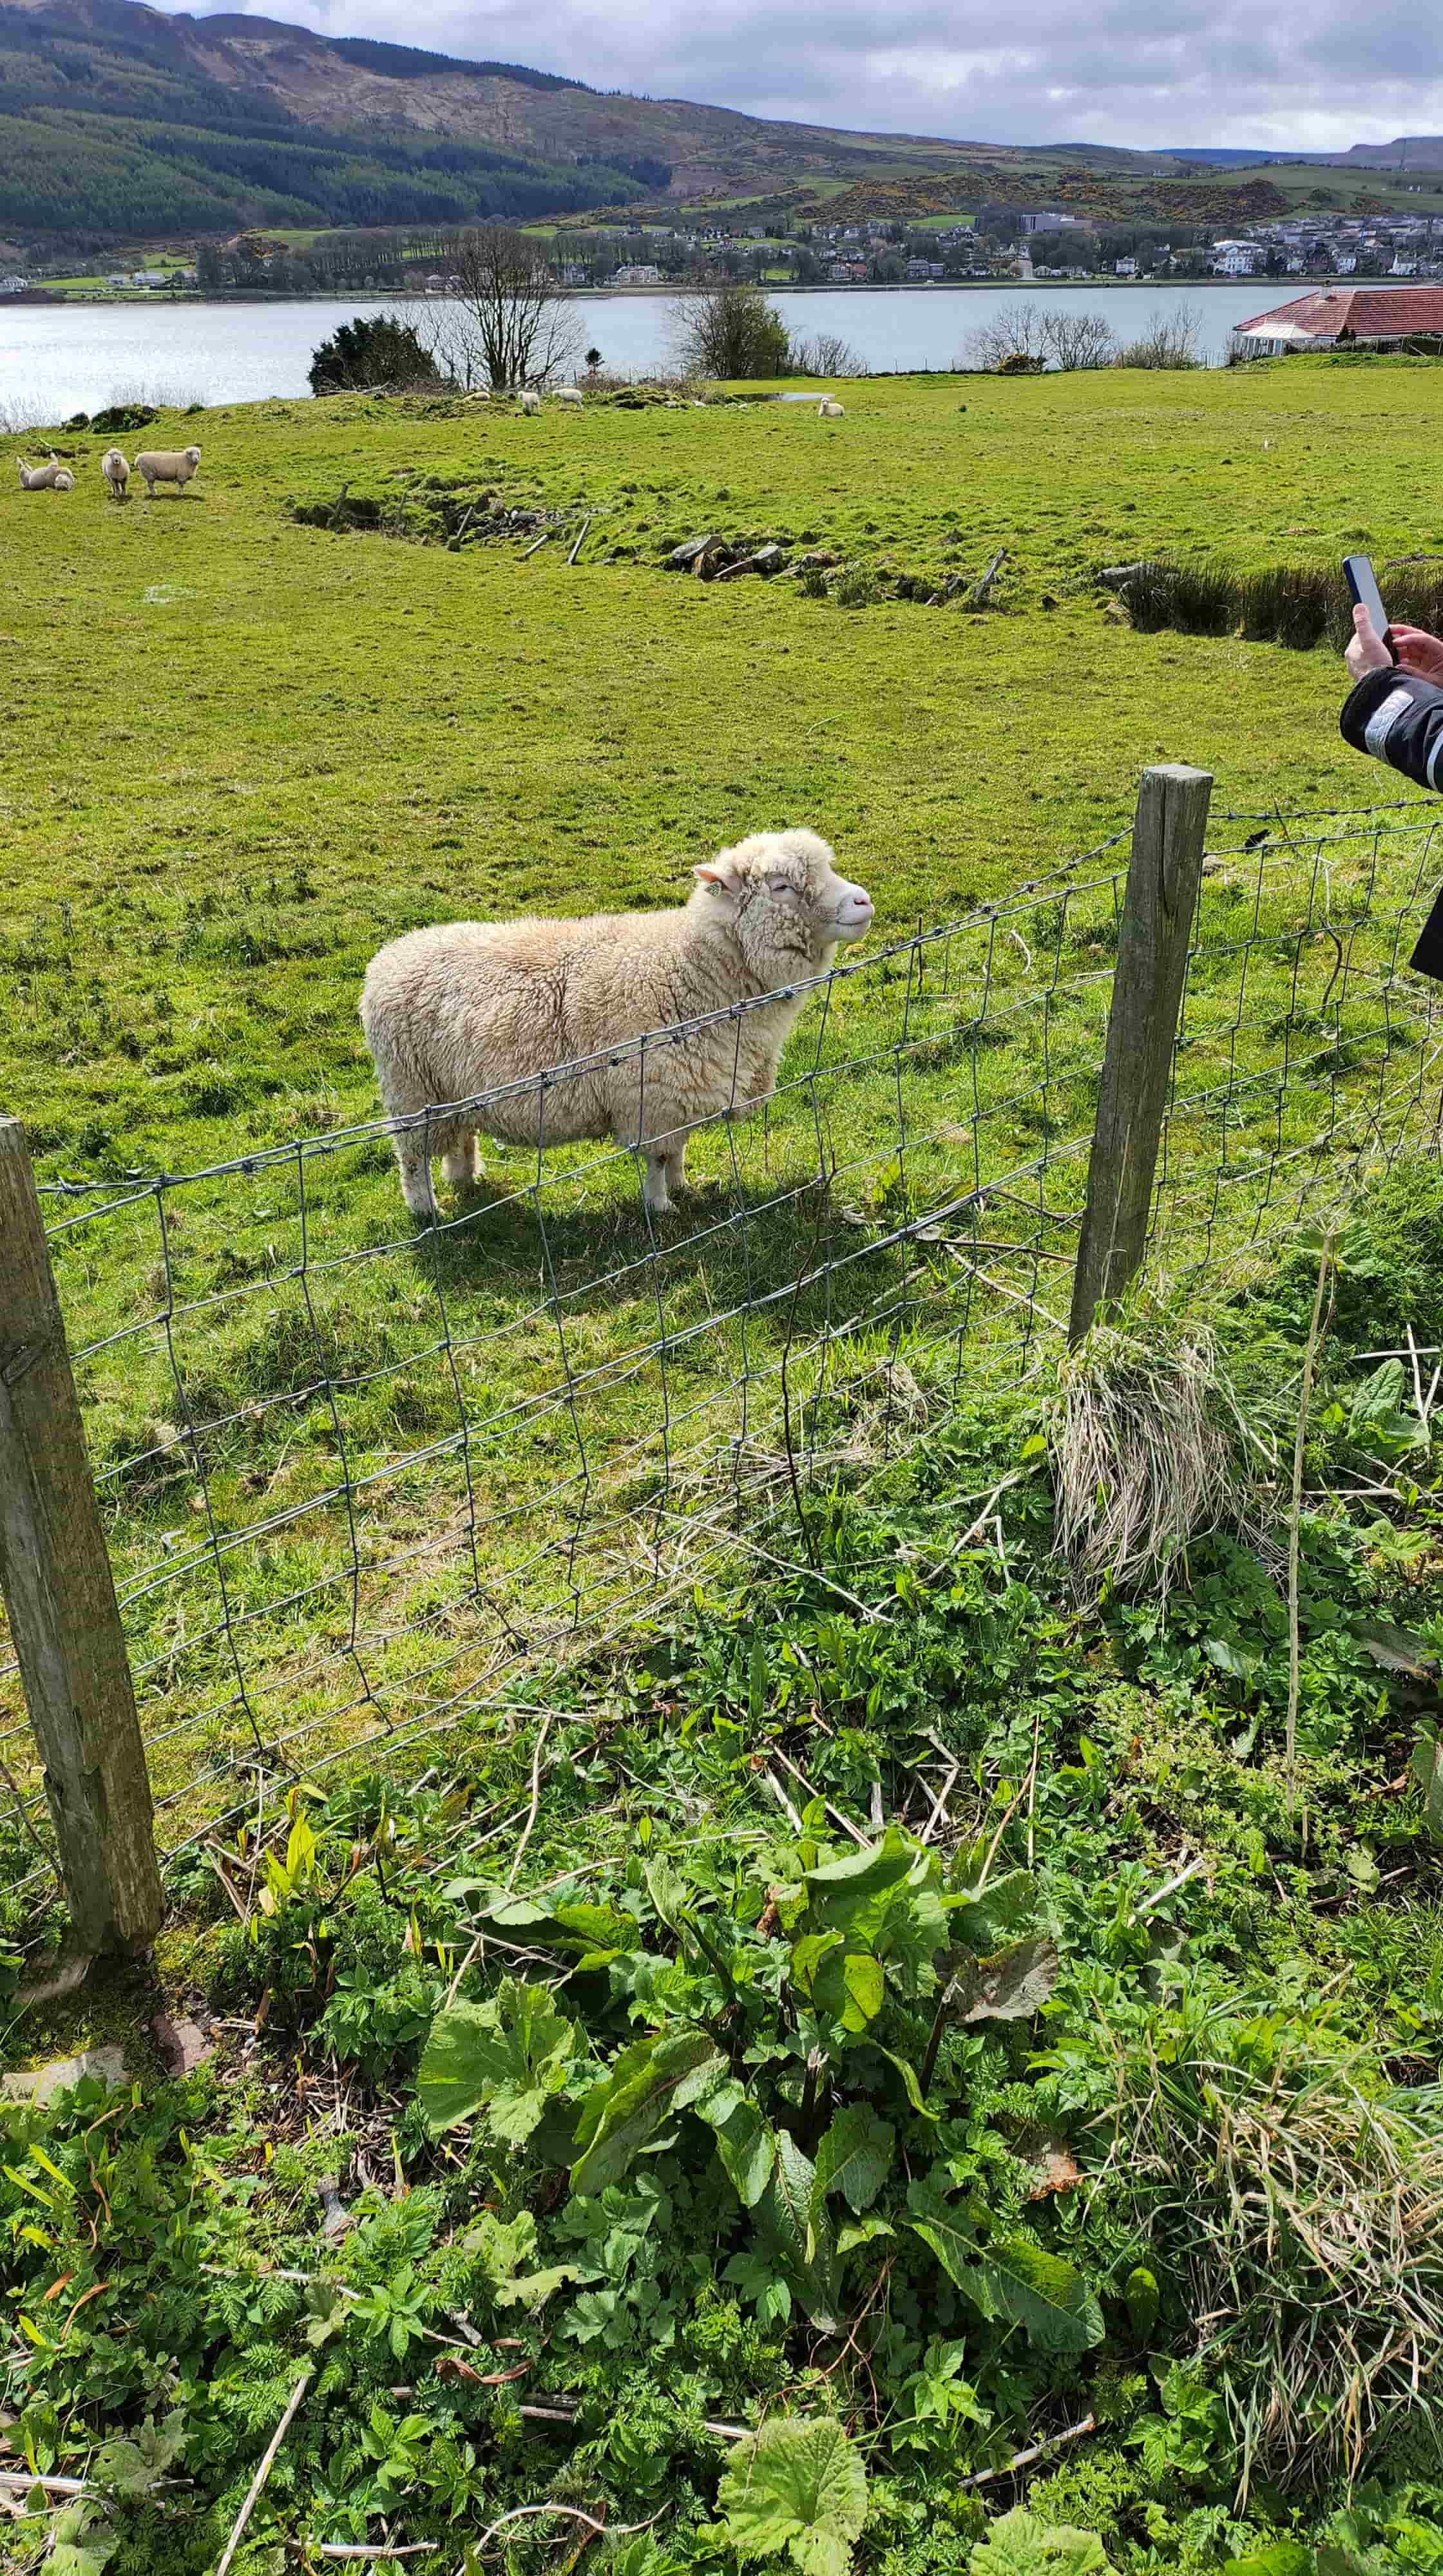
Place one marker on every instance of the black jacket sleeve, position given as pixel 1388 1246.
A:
pixel 1398 717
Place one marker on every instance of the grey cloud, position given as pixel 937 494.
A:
pixel 1322 75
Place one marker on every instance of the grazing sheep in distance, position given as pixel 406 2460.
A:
pixel 167 465
pixel 571 394
pixel 529 401
pixel 474 1007
pixel 829 410
pixel 44 478
pixel 116 472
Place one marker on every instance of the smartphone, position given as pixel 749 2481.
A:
pixel 1363 583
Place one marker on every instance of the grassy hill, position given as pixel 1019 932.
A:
pixel 118 122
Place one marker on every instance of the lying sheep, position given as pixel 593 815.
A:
pixel 53 477
pixel 570 394
pixel 829 410
pixel 529 401
pixel 472 1006
pixel 168 465
pixel 116 472
pixel 64 480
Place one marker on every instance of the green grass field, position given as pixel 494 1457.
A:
pixel 1074 2147
pixel 250 750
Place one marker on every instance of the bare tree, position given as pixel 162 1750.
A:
pixel 1168 339
pixel 826 353
pixel 506 322
pixel 1078 341
pixel 1012 338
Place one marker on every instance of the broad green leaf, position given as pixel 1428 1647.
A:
pixel 844 1888
pixel 808 1955
pixel 791 2202
pixel 981 1921
pixel 1016 2283
pixel 84 2541
pixel 1143 2303
pixel 1020 2544
pixel 804 2239
pixel 591 1936
pixel 531 2290
pixel 854 2158
pixel 1275 2558
pixel 799 2488
pixel 860 2231
pixel 630 2104
pixel 1011 1986
pixel 747 2147
pixel 851 1986
pixel 505 2059
pixel 667 1890
pixel 948 2228
pixel 1428 1772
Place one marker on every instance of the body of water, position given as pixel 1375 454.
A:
pixel 57 359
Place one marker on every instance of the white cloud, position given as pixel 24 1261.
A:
pixel 1127 72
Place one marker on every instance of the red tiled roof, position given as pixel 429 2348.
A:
pixel 1368 312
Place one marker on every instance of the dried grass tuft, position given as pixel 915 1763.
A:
pixel 1150 1450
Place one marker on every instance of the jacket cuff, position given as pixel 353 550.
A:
pixel 1363 702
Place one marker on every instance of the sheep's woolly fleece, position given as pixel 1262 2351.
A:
pixel 475 1007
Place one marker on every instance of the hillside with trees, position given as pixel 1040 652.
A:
pixel 118 122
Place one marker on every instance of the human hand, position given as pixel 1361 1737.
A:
pixel 1367 652
pixel 1419 651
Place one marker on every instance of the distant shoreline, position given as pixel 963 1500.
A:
pixel 605 294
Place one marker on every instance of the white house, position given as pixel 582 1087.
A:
pixel 640 273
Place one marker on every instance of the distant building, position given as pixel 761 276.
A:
pixel 1349 313
pixel 1124 268
pixel 918 271
pixel 640 273
pixel 1235 258
pixel 14 285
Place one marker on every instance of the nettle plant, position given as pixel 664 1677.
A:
pixel 798 2056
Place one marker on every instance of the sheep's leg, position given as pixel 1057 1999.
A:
pixel 413 1155
pixel 459 1162
pixel 675 1159
pixel 653 1188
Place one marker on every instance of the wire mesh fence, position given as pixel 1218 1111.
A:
pixel 361 1482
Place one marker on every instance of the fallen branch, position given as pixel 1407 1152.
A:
pixel 571 558
pixel 1034 2451
pixel 526 2512
pixel 263 2472
pixel 528 551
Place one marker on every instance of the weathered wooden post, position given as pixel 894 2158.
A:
pixel 61 1598
pixel 1163 877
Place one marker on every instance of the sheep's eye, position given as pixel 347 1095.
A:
pixel 781 885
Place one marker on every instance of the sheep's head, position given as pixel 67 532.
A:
pixel 779 892
pixel 192 457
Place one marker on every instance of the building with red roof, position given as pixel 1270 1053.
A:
pixel 1350 313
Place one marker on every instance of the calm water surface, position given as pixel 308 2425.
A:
pixel 57 359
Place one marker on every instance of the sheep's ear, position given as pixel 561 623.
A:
pixel 715 873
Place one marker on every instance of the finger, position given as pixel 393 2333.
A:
pixel 1362 624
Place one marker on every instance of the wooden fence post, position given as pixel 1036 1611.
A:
pixel 61 1598
pixel 1163 877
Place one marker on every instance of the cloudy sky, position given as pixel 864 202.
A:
pixel 1301 74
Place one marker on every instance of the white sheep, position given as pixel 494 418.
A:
pixel 474 1007
pixel 116 472
pixel 829 410
pixel 64 480
pixel 44 478
pixel 167 465
pixel 571 394
pixel 529 401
